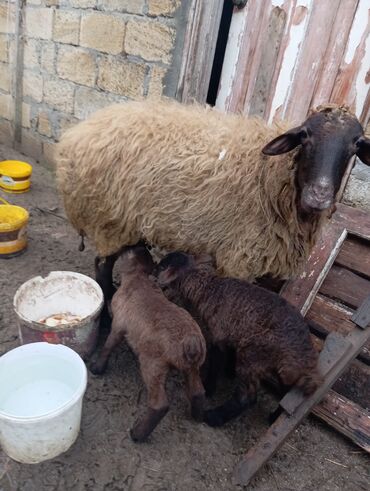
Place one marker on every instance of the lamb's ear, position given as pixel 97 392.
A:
pixel 363 152
pixel 285 142
pixel 166 276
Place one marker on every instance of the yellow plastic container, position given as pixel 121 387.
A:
pixel 13 229
pixel 15 176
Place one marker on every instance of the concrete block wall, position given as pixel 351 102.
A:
pixel 79 56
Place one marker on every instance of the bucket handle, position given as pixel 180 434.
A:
pixel 4 202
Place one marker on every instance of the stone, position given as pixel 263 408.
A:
pixel 4 50
pixel 48 154
pixel 48 57
pixel 31 144
pixel 26 115
pixel 77 65
pixel 5 77
pixel 357 192
pixel 88 101
pixel 122 77
pixel 39 23
pixel 66 122
pixel 82 4
pixel 6 133
pixel 102 32
pixel 129 6
pixel 66 26
pixel 150 40
pixel 7 18
pixel 31 55
pixel 32 85
pixel 6 106
pixel 163 7
pixel 44 126
pixel 156 85
pixel 59 94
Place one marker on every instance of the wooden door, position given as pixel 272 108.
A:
pixel 285 56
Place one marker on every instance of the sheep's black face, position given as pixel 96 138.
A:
pixel 328 140
pixel 172 267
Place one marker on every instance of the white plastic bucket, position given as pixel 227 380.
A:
pixel 41 391
pixel 60 291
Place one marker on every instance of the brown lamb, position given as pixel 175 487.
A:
pixel 269 335
pixel 162 334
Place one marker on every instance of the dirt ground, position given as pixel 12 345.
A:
pixel 181 455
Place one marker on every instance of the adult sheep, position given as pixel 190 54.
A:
pixel 194 179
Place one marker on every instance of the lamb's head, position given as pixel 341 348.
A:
pixel 136 259
pixel 178 264
pixel 328 138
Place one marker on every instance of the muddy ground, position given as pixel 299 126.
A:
pixel 180 455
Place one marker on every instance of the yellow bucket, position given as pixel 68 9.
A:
pixel 13 229
pixel 15 176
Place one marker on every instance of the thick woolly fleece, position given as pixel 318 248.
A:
pixel 185 178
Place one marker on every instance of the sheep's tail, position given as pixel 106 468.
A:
pixel 193 348
pixel 309 382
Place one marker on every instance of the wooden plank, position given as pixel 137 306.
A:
pixel 329 316
pixel 285 423
pixel 345 286
pixel 203 23
pixel 310 60
pixel 362 316
pixel 355 255
pixel 270 50
pixel 351 84
pixel 354 220
pixel 334 52
pixel 345 416
pixel 301 291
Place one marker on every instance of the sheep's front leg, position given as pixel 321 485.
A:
pixel 244 396
pixel 154 376
pixel 104 275
pixel 196 393
pixel 114 338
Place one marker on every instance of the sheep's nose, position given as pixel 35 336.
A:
pixel 322 189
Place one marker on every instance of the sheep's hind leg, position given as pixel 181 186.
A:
pixel 104 275
pixel 196 393
pixel 244 396
pixel 154 376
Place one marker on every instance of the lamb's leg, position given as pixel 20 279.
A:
pixel 196 393
pixel 244 396
pixel 114 338
pixel 212 369
pixel 154 375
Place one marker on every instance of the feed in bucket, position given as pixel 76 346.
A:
pixel 13 229
pixel 15 176
pixel 41 392
pixel 64 307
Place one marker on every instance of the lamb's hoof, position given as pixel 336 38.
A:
pixel 136 435
pixel 213 418
pixel 97 369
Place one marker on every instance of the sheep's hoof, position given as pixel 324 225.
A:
pixel 197 407
pixel 97 369
pixel 213 418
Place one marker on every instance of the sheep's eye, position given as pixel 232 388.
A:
pixel 304 135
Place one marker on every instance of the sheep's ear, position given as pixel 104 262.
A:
pixel 363 152
pixel 285 142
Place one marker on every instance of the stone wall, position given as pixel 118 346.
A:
pixel 78 56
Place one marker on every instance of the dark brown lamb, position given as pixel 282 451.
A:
pixel 162 334
pixel 269 335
